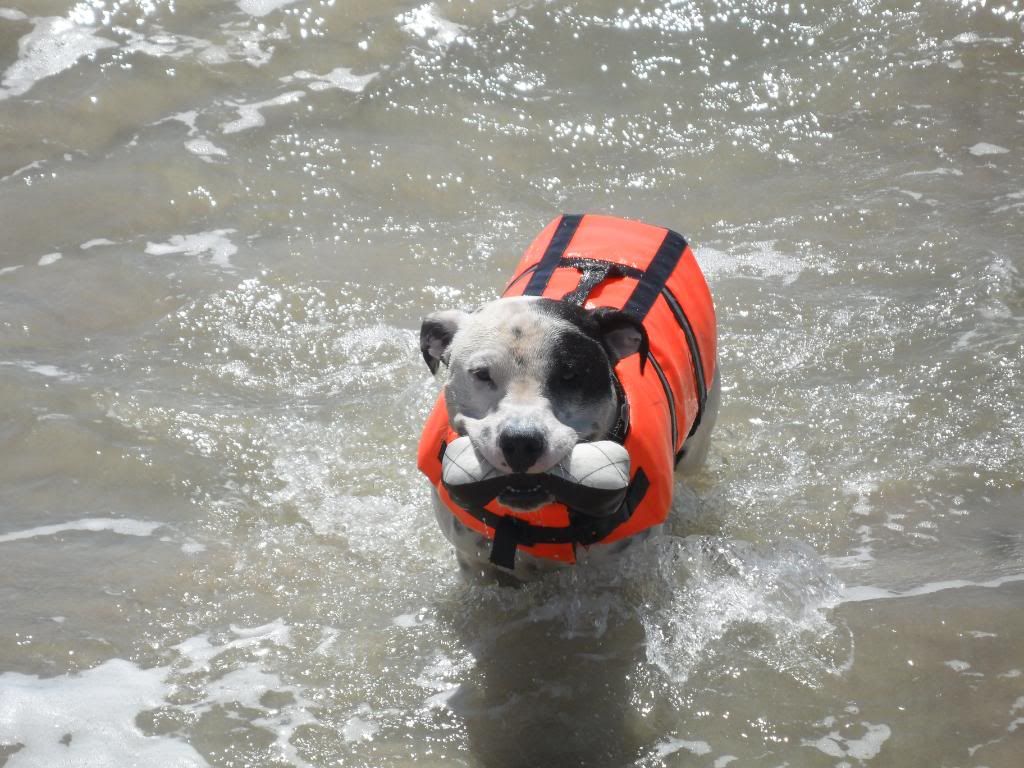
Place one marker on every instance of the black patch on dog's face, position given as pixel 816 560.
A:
pixel 580 374
pixel 571 313
pixel 580 370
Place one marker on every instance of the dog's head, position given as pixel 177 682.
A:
pixel 528 377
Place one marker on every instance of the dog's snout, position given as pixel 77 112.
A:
pixel 521 447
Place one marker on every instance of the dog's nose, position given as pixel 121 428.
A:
pixel 521 448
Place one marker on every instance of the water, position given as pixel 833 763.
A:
pixel 221 225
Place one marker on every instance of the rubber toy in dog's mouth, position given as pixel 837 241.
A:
pixel 592 479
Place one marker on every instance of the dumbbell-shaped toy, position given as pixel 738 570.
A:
pixel 592 479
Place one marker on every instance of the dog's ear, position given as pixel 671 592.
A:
pixel 436 334
pixel 622 334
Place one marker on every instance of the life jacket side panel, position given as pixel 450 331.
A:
pixel 433 436
pixel 649 446
pixel 671 351
pixel 690 288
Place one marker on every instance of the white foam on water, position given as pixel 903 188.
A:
pixel 440 700
pixel 1017 706
pixel 34 165
pixel 328 636
pixel 983 148
pixel 859 557
pixel 49 258
pixel 55 417
pixel 262 7
pixel 360 521
pixel 339 77
pixel 957 665
pixel 936 172
pixel 247 684
pixel 250 115
pixel 785 590
pixel 50 371
pixel 409 620
pixel 974 37
pixel 864 748
pixel 124 526
pixel 214 244
pixel 192 547
pixel 163 45
pixel 673 745
pixel 862 488
pixel 864 593
pixel 360 727
pixel 200 651
pixel 276 631
pixel 443 675
pixel 724 760
pixel 8 270
pixel 205 148
pixel 54 45
pixel 87 719
pixel 286 340
pixel 242 44
pixel 966 340
pixel 12 15
pixel 96 242
pixel 187 119
pixel 427 23
pixel 245 44
pixel 760 259
pixel 1009 206
pixel 44 369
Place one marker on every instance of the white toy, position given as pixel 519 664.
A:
pixel 592 479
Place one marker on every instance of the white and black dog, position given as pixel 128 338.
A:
pixel 528 379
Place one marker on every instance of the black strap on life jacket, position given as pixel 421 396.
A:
pixel 510 532
pixel 698 363
pixel 656 275
pixel 548 263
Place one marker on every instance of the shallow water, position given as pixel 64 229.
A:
pixel 221 225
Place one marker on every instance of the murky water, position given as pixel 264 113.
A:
pixel 221 223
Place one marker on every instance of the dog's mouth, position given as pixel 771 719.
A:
pixel 525 494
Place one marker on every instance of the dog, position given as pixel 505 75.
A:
pixel 531 377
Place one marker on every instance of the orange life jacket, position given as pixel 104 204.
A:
pixel 651 273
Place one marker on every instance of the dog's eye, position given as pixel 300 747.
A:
pixel 482 374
